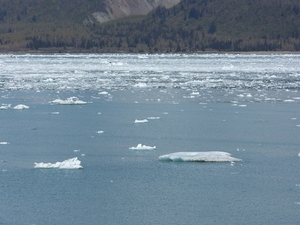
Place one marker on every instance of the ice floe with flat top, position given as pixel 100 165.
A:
pixel 141 121
pixel 69 101
pixel 4 143
pixel 143 147
pixel 21 106
pixel 72 163
pixel 212 156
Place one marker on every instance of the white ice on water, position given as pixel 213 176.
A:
pixel 143 147
pixel 4 143
pixel 103 93
pixel 69 101
pixel 212 156
pixel 5 106
pixel 141 121
pixel 72 163
pixel 21 106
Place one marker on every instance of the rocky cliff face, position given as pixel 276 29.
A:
pixel 120 8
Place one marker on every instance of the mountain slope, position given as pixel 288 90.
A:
pixel 190 26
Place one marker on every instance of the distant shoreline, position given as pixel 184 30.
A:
pixel 53 51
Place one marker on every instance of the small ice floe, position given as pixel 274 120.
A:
pixel 72 163
pixel 213 156
pixel 299 154
pixel 141 121
pixel 298 125
pixel 69 101
pixel 103 93
pixel 153 118
pixel 100 132
pixel 288 100
pixel 54 113
pixel 77 150
pixel 242 105
pixel 21 106
pixel 143 147
pixel 4 143
pixel 5 106
pixel 140 85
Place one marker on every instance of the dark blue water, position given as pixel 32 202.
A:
pixel 121 186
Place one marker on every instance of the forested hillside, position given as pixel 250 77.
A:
pixel 190 26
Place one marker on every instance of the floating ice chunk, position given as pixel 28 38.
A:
pixel 142 57
pixel 4 143
pixel 299 154
pixel 142 147
pixel 288 100
pixel 141 121
pixel 100 132
pixel 153 118
pixel 69 101
pixel 213 156
pixel 54 113
pixel 103 93
pixel 72 163
pixel 5 106
pixel 242 105
pixel 140 85
pixel 21 107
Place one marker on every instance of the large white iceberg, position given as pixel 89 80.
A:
pixel 72 163
pixel 143 147
pixel 69 101
pixel 213 156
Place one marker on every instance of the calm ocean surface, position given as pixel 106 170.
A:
pixel 247 105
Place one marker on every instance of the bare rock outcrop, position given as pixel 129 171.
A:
pixel 121 8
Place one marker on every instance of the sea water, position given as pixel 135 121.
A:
pixel 135 108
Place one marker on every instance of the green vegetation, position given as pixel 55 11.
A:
pixel 190 26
